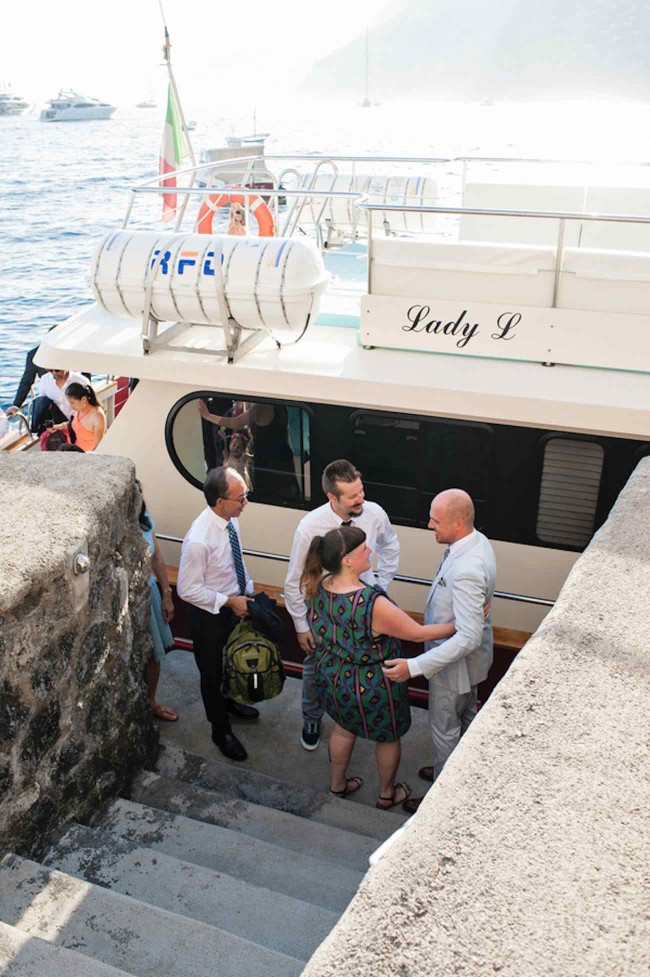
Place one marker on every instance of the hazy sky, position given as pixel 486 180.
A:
pixel 112 49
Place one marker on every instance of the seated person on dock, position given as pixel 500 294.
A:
pixel 71 447
pixel 51 403
pixel 89 421
pixel 27 381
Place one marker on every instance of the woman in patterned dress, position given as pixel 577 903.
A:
pixel 356 628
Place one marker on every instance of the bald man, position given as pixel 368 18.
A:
pixel 463 585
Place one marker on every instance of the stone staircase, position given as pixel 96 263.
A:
pixel 207 869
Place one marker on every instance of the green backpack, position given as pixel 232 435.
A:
pixel 252 667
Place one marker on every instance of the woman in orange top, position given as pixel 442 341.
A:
pixel 89 421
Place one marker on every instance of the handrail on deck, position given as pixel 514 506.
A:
pixel 562 217
pixel 425 160
pixel 364 202
pixel 398 578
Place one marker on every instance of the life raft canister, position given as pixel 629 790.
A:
pixel 256 206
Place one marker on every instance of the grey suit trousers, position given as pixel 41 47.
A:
pixel 450 714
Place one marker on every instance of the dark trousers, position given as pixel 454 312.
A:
pixel 210 632
pixel 44 409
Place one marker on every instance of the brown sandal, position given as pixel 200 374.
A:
pixel 356 783
pixel 385 803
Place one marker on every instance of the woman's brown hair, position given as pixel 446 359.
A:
pixel 326 553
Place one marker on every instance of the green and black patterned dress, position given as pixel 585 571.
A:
pixel 348 666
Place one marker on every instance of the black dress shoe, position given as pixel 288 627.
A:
pixel 229 745
pixel 242 711
pixel 426 773
pixel 411 804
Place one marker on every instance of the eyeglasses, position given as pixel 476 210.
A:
pixel 241 498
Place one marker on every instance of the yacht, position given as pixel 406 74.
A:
pixel 70 106
pixel 148 103
pixel 483 345
pixel 11 104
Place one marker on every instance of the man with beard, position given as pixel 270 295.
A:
pixel 346 506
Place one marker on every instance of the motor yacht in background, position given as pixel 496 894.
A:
pixel 148 103
pixel 11 104
pixel 70 106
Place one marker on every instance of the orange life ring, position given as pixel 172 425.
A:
pixel 256 206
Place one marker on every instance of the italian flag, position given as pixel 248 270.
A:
pixel 173 151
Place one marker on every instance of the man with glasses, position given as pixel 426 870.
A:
pixel 346 505
pixel 213 579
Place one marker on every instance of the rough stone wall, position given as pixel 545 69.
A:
pixel 529 856
pixel 74 723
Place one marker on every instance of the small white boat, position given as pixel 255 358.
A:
pixel 148 103
pixel 72 107
pixel 11 104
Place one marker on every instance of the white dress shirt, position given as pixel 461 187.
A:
pixel 380 537
pixel 48 387
pixel 207 575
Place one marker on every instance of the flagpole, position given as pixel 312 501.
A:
pixel 172 81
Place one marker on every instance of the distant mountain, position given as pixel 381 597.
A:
pixel 499 49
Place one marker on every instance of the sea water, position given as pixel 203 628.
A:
pixel 63 185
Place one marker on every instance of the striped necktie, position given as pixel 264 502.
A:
pixel 237 558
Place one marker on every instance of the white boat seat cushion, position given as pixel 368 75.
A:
pixel 605 281
pixel 463 271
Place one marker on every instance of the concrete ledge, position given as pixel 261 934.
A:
pixel 528 857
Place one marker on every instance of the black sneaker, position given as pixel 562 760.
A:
pixel 310 735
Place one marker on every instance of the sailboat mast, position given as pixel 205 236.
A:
pixel 366 103
pixel 367 63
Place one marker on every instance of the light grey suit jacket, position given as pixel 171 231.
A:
pixel 463 585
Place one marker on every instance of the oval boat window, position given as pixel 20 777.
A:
pixel 268 443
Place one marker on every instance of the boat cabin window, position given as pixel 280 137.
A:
pixel 569 490
pixel 530 486
pixel 268 444
pixel 406 461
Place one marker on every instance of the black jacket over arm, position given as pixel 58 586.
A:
pixel 28 378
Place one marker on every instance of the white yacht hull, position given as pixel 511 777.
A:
pixel 78 115
pixel 16 109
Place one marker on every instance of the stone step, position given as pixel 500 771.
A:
pixel 258 862
pixel 271 919
pixel 279 828
pixel 249 785
pixel 22 955
pixel 122 932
